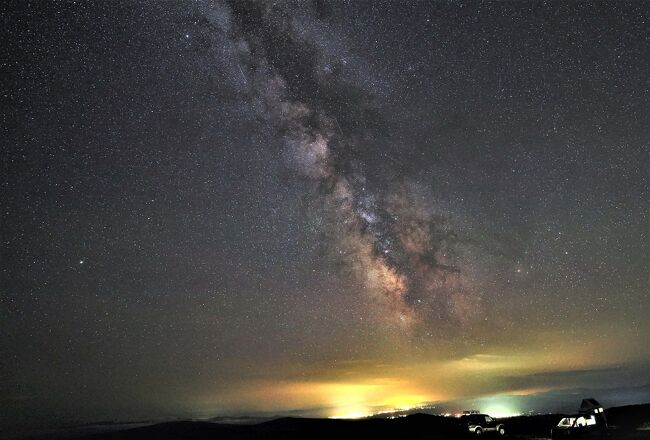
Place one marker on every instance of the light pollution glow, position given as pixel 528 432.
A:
pixel 359 390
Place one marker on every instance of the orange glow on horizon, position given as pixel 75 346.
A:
pixel 334 399
pixel 364 388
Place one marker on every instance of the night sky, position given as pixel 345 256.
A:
pixel 328 208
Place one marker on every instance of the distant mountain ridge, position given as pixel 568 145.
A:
pixel 627 423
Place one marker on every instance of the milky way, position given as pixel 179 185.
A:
pixel 403 251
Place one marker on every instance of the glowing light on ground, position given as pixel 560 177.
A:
pixel 501 411
pixel 353 414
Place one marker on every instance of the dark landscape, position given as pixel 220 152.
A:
pixel 625 423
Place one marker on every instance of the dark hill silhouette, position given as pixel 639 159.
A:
pixel 624 420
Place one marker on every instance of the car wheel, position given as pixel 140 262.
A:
pixel 502 430
pixel 478 431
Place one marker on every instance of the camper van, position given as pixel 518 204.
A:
pixel 590 422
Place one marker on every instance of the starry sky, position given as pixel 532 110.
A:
pixel 328 208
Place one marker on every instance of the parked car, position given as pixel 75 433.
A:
pixel 479 424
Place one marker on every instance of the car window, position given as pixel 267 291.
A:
pixel 567 421
pixel 488 419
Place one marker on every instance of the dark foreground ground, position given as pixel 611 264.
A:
pixel 628 423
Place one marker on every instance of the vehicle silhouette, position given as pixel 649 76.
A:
pixel 479 424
